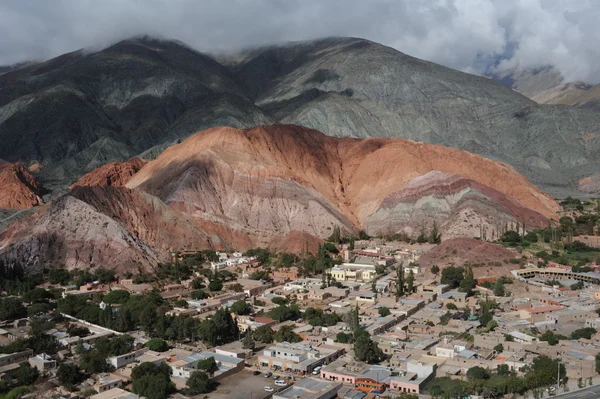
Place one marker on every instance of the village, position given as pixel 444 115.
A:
pixel 374 324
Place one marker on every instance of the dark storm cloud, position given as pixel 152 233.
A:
pixel 463 34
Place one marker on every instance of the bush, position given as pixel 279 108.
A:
pixel 157 345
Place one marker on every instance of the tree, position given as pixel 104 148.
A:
pixel 152 381
pixel 336 236
pixel 499 288
pixel 384 311
pixel 399 281
pixel 598 362
pixel 343 338
pixel 435 269
pixel 241 307
pixel 248 341
pixel 499 348
pixel 12 308
pixel 199 294
pixel 215 285
pixel 157 345
pixel 68 375
pixel 410 282
pixel 123 320
pixel 116 297
pixel 365 350
pixel 283 313
pixel 208 365
pixel 451 306
pixel 586 333
pixel 93 362
pixel 25 374
pixel 434 236
pixel 453 276
pixel 198 383
pixel 477 373
pixel 264 334
pixel 286 334
pixel 468 282
pixel 511 237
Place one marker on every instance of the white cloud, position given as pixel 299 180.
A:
pixel 463 34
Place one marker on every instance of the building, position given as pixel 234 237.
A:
pixel 522 338
pixel 227 365
pixel 414 379
pixel 115 393
pixel 106 383
pixel 125 359
pixel 310 388
pixel 569 316
pixel 42 362
pixel 357 272
pixel 298 357
pixel 17 357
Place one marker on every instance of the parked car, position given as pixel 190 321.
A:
pixel 268 388
pixel 280 383
pixel 275 377
pixel 256 372
pixel 268 374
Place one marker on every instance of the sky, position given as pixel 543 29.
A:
pixel 469 35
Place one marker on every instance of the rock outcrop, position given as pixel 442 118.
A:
pixel 281 186
pixel 19 189
pixel 115 174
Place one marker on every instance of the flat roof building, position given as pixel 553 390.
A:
pixel 310 388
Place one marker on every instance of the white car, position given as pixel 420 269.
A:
pixel 269 389
pixel 280 383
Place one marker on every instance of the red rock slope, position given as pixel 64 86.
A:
pixel 18 188
pixel 112 174
pixel 275 185
pixel 282 178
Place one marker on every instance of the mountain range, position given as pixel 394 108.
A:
pixel 82 110
pixel 236 189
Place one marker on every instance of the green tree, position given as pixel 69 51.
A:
pixel 286 334
pixel 25 374
pixel 157 345
pixel 499 288
pixel 68 375
pixel 248 341
pixel 586 333
pixel 12 308
pixel 434 236
pixel 241 307
pixel 215 285
pixel 468 282
pixel 335 236
pixel 93 362
pixel 264 334
pixel 208 365
pixel 598 360
pixel 123 321
pixel 365 350
pixel 499 348
pixel 399 281
pixel 198 383
pixel 151 381
pixel 477 373
pixel 384 311
pixel 116 297
pixel 453 276
pixel 435 269
pixel 343 338
pixel 410 282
